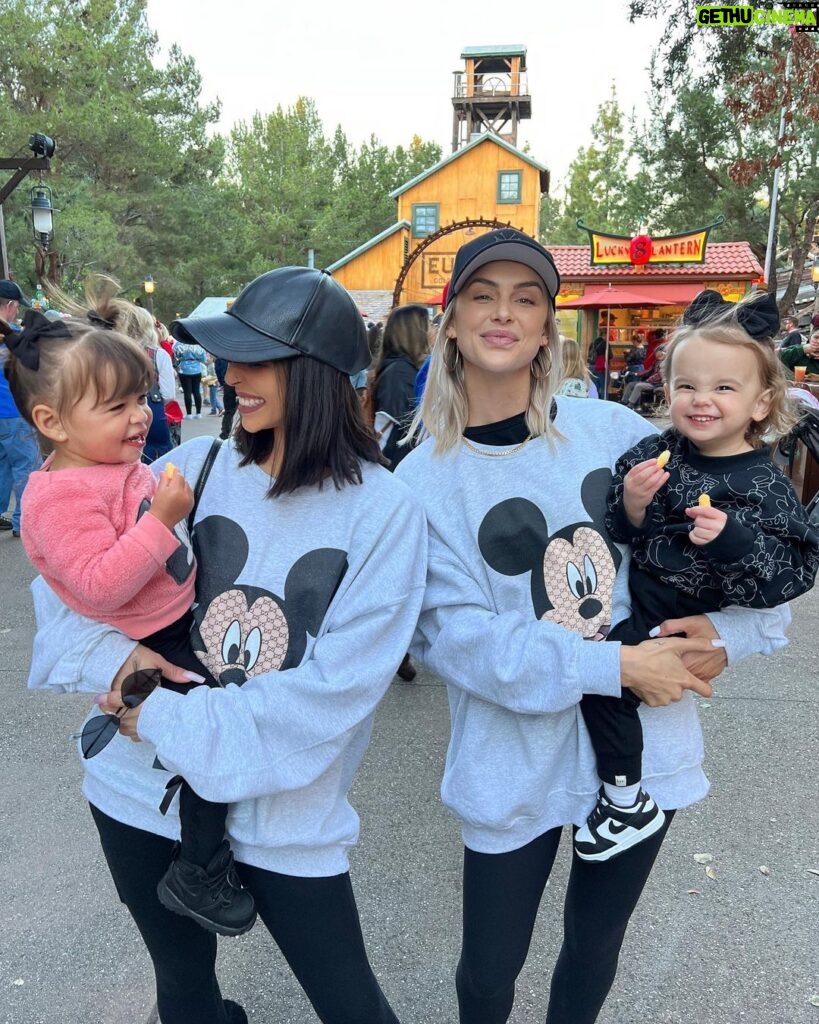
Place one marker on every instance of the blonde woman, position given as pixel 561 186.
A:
pixel 137 323
pixel 522 575
pixel 576 382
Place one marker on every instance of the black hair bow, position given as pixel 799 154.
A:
pixel 704 306
pixel 25 344
pixel 99 321
pixel 759 317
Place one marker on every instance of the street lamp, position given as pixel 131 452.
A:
pixel 42 215
pixel 149 291
pixel 42 146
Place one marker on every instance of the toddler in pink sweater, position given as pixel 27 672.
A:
pixel 111 540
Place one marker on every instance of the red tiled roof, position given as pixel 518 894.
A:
pixel 722 260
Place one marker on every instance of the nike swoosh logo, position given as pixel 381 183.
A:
pixel 611 829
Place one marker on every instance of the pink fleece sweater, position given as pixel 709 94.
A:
pixel 85 530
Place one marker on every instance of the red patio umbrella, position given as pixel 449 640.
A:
pixel 618 296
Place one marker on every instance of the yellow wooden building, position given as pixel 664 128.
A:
pixel 485 182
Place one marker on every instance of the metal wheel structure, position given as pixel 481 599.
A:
pixel 461 225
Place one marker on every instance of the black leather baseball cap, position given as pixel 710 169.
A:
pixel 288 312
pixel 504 244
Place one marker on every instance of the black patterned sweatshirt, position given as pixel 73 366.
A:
pixel 767 554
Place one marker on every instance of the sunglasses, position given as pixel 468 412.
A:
pixel 98 732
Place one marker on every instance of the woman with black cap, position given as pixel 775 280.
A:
pixel 311 570
pixel 522 574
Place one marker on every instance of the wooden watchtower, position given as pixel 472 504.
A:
pixel 491 94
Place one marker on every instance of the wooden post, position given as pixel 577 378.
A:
pixel 4 256
pixel 21 167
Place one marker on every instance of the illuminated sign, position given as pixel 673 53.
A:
pixel 624 250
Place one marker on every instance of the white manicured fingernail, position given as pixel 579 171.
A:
pixel 192 677
pixel 654 632
pixel 717 643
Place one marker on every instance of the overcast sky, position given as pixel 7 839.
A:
pixel 386 69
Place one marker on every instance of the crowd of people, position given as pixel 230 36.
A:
pixel 435 494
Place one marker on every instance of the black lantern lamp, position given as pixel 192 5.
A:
pixel 42 215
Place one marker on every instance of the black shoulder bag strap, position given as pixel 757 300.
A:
pixel 174 784
pixel 201 480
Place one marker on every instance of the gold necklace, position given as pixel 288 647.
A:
pixel 497 455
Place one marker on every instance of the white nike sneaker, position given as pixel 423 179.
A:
pixel 611 829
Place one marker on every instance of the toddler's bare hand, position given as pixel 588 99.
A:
pixel 709 523
pixel 640 485
pixel 173 500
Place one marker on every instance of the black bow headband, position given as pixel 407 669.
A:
pixel 24 345
pixel 758 317
pixel 99 321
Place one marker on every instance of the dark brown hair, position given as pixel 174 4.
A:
pixel 103 363
pixel 405 334
pixel 95 357
pixel 325 434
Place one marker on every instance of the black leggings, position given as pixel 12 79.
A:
pixel 229 402
pixel 502 893
pixel 191 390
pixel 314 922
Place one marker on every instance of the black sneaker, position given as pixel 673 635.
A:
pixel 611 829
pixel 5 523
pixel 212 896
pixel 406 670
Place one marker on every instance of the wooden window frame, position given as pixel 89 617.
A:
pixel 519 194
pixel 425 206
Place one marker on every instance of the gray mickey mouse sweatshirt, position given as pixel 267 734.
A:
pixel 306 604
pixel 522 576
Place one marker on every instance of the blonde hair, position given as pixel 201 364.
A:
pixel 444 410
pixel 724 329
pixel 573 363
pixel 102 299
pixel 135 322
pixel 105 364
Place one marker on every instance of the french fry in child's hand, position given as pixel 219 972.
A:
pixel 704 501
pixel 663 458
pixel 169 471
